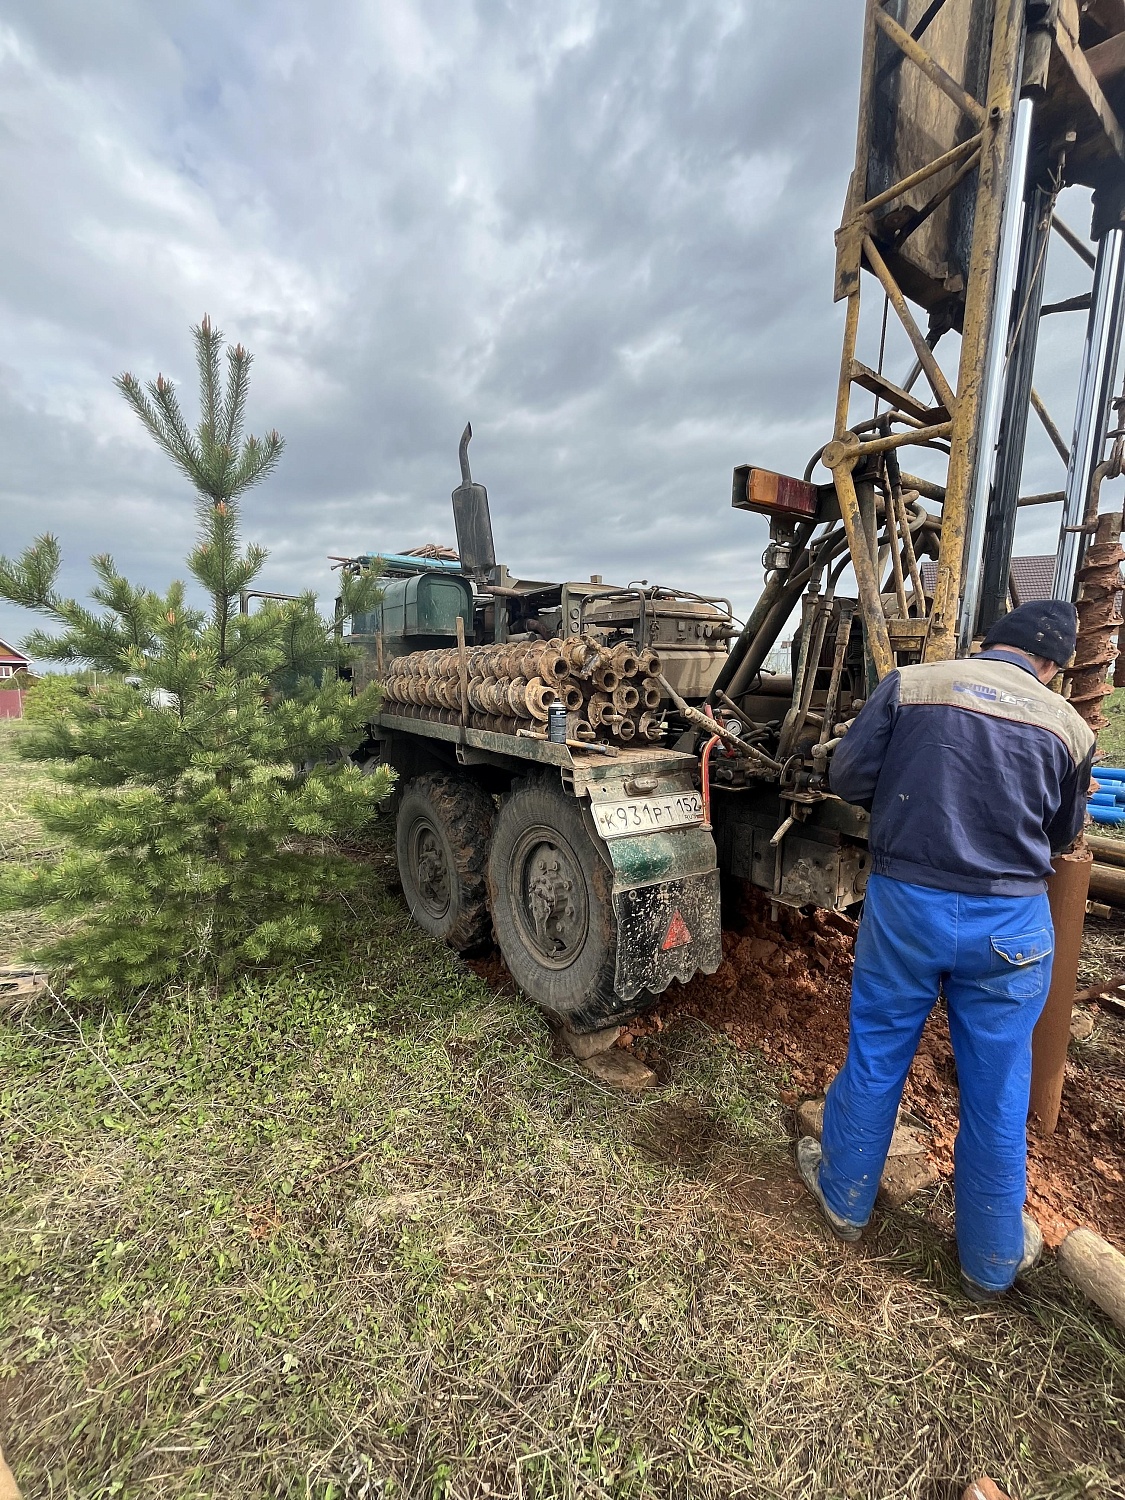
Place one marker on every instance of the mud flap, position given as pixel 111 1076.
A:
pixel 667 931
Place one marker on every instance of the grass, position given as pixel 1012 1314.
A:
pixel 1111 740
pixel 21 836
pixel 360 1231
pixel 1111 749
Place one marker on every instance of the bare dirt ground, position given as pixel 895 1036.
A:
pixel 783 989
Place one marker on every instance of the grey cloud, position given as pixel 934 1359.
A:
pixel 602 231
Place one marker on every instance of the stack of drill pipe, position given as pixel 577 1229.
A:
pixel 609 692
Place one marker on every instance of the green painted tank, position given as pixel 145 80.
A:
pixel 419 613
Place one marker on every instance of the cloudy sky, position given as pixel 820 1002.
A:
pixel 602 231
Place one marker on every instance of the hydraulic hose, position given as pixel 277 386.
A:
pixel 705 777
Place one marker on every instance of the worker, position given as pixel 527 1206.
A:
pixel 975 773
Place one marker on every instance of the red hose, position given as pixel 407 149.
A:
pixel 705 777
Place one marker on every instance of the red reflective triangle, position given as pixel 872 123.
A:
pixel 677 934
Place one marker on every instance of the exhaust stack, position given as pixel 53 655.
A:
pixel 475 546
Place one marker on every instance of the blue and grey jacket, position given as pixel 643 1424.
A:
pixel 974 774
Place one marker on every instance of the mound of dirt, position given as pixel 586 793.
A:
pixel 783 988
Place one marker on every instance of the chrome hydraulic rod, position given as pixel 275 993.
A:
pixel 1003 505
pixel 992 381
pixel 1091 416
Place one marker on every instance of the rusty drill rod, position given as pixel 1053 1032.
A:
pixel 1066 890
pixel 713 726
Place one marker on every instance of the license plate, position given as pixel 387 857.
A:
pixel 615 820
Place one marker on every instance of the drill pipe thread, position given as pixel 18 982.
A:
pixel 1099 581
pixel 603 689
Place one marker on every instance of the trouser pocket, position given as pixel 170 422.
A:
pixel 1018 966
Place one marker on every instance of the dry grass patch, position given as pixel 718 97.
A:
pixel 21 834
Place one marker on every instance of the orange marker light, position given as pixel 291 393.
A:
pixel 774 494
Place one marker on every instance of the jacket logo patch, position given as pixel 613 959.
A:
pixel 992 694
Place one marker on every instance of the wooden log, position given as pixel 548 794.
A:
pixel 1097 1269
pixel 1107 883
pixel 1109 851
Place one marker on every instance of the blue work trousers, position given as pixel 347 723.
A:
pixel 991 957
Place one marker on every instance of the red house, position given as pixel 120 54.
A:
pixel 11 662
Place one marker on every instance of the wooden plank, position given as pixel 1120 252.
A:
pixel 916 122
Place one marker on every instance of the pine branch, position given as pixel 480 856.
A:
pixel 239 361
pixel 30 580
pixel 174 436
pixel 208 346
pixel 101 640
pixel 360 592
pixel 258 458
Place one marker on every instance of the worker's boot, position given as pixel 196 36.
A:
pixel 1032 1251
pixel 808 1164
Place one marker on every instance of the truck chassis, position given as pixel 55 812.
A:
pixel 600 874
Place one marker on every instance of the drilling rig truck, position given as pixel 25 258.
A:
pixel 579 760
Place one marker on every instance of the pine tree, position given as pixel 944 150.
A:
pixel 197 792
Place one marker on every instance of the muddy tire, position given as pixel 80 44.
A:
pixel 442 832
pixel 552 908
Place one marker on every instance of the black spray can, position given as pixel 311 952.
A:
pixel 556 723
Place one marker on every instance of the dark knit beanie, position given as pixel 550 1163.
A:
pixel 1045 627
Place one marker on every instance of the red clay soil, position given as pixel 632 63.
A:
pixel 783 988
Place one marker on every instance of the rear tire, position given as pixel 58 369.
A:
pixel 552 906
pixel 442 833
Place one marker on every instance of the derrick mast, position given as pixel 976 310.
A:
pixel 974 115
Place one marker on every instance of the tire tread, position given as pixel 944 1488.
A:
pixel 584 993
pixel 466 814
